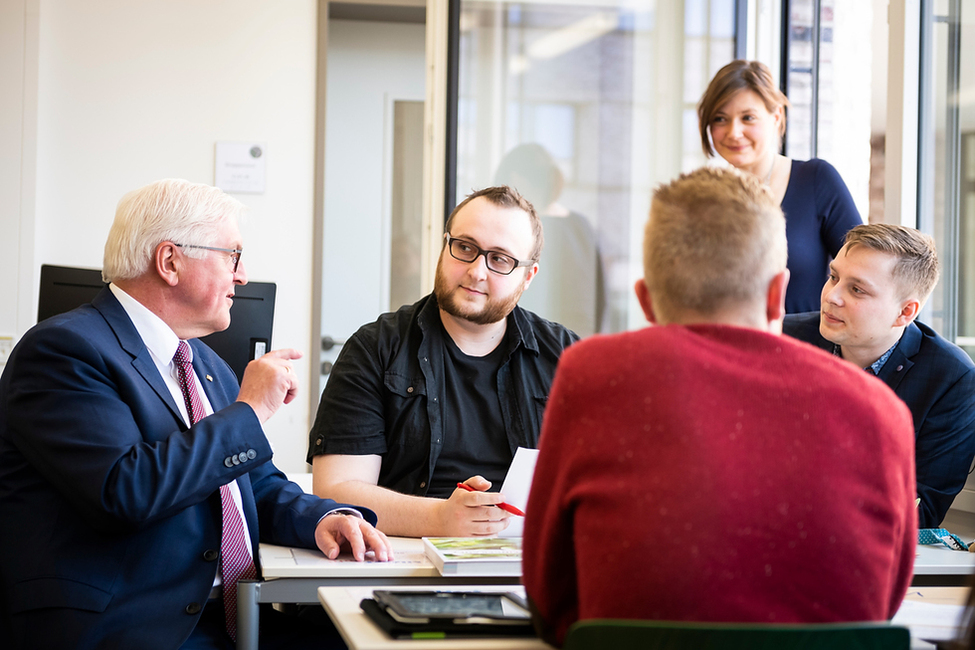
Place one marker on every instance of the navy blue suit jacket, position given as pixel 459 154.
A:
pixel 109 505
pixel 936 379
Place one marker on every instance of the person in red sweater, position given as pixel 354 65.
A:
pixel 708 468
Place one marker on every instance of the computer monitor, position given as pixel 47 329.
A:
pixel 251 318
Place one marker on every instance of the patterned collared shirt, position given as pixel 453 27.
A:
pixel 877 365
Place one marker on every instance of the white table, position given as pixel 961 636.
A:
pixel 360 633
pixel 292 575
pixel 937 565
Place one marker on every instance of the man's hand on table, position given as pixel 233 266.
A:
pixel 339 532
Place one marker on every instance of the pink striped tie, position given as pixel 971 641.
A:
pixel 235 562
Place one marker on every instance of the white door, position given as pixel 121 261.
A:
pixel 375 79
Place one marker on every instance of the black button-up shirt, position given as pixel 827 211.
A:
pixel 384 395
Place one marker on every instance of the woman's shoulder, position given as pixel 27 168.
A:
pixel 814 169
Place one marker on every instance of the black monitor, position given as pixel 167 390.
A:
pixel 251 318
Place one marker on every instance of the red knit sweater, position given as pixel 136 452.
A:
pixel 716 473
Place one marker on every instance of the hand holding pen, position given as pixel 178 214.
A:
pixel 507 507
pixel 472 511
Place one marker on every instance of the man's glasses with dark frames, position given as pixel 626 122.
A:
pixel 235 253
pixel 500 263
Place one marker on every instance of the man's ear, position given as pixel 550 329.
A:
pixel 646 302
pixel 168 262
pixel 909 311
pixel 775 297
pixel 530 275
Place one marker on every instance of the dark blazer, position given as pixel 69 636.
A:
pixel 936 379
pixel 109 505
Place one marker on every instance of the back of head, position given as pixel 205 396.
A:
pixel 530 168
pixel 714 241
pixel 917 269
pixel 167 210
pixel 730 80
pixel 505 196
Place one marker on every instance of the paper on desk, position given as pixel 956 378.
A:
pixel 516 486
pixel 314 557
pixel 930 621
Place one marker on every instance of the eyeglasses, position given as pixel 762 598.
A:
pixel 465 251
pixel 235 253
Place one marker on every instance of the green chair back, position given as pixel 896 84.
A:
pixel 608 634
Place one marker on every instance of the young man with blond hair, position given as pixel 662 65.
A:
pixel 876 287
pixel 689 471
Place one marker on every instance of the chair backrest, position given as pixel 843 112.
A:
pixel 608 634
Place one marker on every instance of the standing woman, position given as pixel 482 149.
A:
pixel 744 114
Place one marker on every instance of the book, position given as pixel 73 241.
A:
pixel 474 556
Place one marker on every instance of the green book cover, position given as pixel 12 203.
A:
pixel 483 556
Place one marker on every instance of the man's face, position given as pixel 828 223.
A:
pixel 207 289
pixel 861 301
pixel 468 290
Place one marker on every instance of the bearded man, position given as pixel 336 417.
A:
pixel 445 389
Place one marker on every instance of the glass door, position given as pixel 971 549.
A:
pixel 585 106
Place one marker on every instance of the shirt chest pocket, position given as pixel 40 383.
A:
pixel 407 421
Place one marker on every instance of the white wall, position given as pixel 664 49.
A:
pixel 129 92
pixel 18 110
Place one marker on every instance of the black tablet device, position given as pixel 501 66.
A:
pixel 460 607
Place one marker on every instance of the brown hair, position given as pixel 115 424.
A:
pixel 917 267
pixel 506 197
pixel 715 237
pixel 729 81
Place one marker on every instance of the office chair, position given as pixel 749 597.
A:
pixel 611 634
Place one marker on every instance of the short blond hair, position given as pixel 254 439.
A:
pixel 715 238
pixel 917 269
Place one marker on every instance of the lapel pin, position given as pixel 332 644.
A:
pixel 209 378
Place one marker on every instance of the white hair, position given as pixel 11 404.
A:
pixel 168 210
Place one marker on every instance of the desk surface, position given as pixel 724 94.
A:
pixel 929 612
pixel 287 562
pixel 937 559
pixel 342 605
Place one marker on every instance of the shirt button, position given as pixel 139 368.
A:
pixel 210 555
pixel 423 484
pixel 409 390
pixel 319 441
pixel 193 608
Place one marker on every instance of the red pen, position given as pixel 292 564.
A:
pixel 507 507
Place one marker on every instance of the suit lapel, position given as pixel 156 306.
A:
pixel 130 341
pixel 208 378
pixel 899 362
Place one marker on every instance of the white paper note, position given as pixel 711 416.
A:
pixel 930 621
pixel 516 486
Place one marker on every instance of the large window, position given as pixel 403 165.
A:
pixel 830 112
pixel 946 160
pixel 585 107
